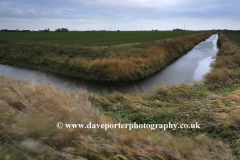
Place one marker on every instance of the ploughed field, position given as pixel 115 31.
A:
pixel 91 38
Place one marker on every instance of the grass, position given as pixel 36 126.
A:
pixel 91 38
pixel 233 36
pixel 114 63
pixel 29 114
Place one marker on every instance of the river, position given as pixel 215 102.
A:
pixel 188 68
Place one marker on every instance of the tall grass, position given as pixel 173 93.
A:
pixel 115 63
pixel 226 68
pixel 29 114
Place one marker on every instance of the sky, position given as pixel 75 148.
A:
pixel 119 14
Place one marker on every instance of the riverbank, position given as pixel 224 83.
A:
pixel 29 114
pixel 114 63
pixel 189 67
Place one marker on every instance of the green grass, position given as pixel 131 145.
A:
pixel 233 35
pixel 91 38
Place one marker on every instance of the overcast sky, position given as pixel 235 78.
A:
pixel 119 14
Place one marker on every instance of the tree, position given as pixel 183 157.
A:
pixel 61 30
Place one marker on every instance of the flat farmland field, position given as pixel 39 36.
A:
pixel 70 53
pixel 91 38
pixel 234 36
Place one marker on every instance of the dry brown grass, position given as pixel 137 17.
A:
pixel 220 74
pixel 145 62
pixel 29 113
pixel 226 68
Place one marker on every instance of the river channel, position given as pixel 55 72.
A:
pixel 188 68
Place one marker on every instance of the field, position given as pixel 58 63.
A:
pixel 91 38
pixel 233 36
pixel 29 114
pixel 106 63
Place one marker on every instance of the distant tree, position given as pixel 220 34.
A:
pixel 25 31
pixel 61 30
pixel 46 30
pixel 177 29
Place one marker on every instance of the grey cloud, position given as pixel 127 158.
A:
pixel 115 11
pixel 73 9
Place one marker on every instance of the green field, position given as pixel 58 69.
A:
pixel 91 38
pixel 233 36
pixel 110 63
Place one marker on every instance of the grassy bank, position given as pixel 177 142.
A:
pixel 114 63
pixel 29 114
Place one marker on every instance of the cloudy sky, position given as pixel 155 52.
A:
pixel 119 14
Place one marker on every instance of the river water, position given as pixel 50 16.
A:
pixel 188 68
